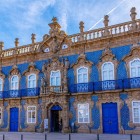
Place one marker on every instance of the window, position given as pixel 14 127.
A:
pixel 1 84
pixel 14 82
pixel 107 71
pixel 0 115
pixel 82 75
pixel 135 68
pixel 83 113
pixel 31 114
pixel 136 111
pixel 32 81
pixel 55 78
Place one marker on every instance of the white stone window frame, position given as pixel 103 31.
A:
pixel 82 75
pixel 136 67
pixel 31 80
pixel 28 111
pixel 1 84
pixel 55 77
pixel 87 113
pixel 133 107
pixel 1 115
pixel 14 85
pixel 102 71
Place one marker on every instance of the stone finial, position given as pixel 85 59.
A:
pixel 133 13
pixel 106 20
pixel 55 27
pixel 1 46
pixel 33 38
pixel 54 19
pixel 81 27
pixel 16 42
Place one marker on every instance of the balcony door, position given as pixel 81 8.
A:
pixel 108 82
pixel 135 73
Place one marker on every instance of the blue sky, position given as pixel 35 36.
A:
pixel 21 18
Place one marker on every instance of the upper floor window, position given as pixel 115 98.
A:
pixel 31 114
pixel 83 113
pixel 107 71
pixel 32 81
pixel 14 82
pixel 0 115
pixel 82 75
pixel 136 111
pixel 55 78
pixel 135 68
pixel 1 84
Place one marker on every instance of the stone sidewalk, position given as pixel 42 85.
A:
pixel 59 136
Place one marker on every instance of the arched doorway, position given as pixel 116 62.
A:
pixel 56 119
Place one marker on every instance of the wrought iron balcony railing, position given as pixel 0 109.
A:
pixel 30 92
pixel 108 85
pixel 131 83
pixel 96 86
pixel 56 89
pixel 81 87
pixel 20 93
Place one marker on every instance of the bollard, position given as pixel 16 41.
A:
pixel 45 136
pixel 21 137
pixel 3 137
pixel 130 136
pixel 69 136
pixel 97 136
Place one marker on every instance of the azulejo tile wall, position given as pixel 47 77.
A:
pixel 92 106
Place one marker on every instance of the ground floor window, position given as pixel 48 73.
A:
pixel 0 115
pixel 83 113
pixel 31 114
pixel 136 111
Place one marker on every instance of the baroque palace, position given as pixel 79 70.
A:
pixel 86 82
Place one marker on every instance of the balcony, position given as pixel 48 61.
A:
pixel 108 85
pixel 57 89
pixel 97 86
pixel 29 92
pixel 11 94
pixel 131 83
pixel 81 87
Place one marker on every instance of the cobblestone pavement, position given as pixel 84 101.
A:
pixel 59 136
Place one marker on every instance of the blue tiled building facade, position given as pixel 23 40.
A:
pixel 88 82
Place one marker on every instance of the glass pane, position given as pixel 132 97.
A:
pixel 57 81
pixel 80 120
pixel 82 70
pixel 105 77
pixel 138 71
pixel 110 75
pixel 136 104
pixel 86 120
pixel 133 72
pixel 52 81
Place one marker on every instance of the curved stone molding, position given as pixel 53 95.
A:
pixel 15 71
pixel 107 56
pixel 54 65
pixel 31 70
pixel 82 61
pixel 23 116
pixel 95 114
pixel 5 116
pixel 124 112
pixel 134 54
